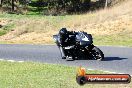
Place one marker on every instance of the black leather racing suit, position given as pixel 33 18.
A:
pixel 67 41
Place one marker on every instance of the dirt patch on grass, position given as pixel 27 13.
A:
pixel 34 38
pixel 109 27
pixel 121 26
pixel 3 22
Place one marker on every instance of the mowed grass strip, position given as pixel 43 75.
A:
pixel 39 75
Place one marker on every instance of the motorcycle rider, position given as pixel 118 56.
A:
pixel 66 41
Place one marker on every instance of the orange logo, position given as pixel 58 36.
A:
pixel 83 78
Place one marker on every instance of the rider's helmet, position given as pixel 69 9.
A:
pixel 63 32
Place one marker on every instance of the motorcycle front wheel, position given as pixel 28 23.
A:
pixel 97 54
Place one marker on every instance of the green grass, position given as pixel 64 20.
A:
pixel 115 40
pixel 15 16
pixel 2 32
pixel 119 39
pixel 38 75
pixel 3 42
pixel 6 28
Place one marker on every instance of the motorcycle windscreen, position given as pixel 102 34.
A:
pixel 85 39
pixel 55 37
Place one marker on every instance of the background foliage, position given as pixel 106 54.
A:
pixel 53 7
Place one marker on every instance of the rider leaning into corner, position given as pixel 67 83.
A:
pixel 66 41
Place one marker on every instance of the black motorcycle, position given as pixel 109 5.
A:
pixel 78 45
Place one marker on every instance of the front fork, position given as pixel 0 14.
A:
pixel 89 47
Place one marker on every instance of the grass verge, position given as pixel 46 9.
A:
pixel 6 29
pixel 110 26
pixel 38 75
pixel 115 40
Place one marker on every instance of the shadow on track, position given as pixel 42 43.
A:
pixel 105 59
pixel 113 58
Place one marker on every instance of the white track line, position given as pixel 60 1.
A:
pixel 109 72
pixel 1 59
pixel 11 61
pixel 20 61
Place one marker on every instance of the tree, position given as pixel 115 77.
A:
pixel 106 3
pixel 13 5
pixel 1 2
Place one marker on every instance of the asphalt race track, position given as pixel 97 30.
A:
pixel 117 59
